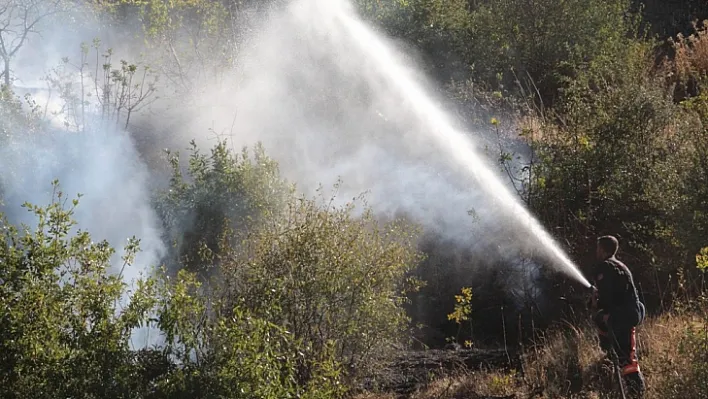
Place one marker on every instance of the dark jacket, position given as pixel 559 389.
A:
pixel 616 292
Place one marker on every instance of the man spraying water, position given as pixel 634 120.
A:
pixel 617 312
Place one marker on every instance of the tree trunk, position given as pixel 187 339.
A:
pixel 7 72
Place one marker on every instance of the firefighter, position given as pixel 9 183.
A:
pixel 618 311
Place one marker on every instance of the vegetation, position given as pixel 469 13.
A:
pixel 569 364
pixel 311 293
pixel 264 293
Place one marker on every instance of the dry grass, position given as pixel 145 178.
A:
pixel 471 386
pixel 691 54
pixel 670 372
pixel 569 364
pixel 565 363
pixel 687 70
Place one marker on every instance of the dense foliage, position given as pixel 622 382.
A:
pixel 308 297
pixel 616 127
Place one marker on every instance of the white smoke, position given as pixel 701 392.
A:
pixel 103 167
pixel 331 99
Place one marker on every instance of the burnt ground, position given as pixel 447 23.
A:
pixel 415 369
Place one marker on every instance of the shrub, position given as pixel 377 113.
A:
pixel 695 213
pixel 702 259
pixel 65 333
pixel 545 40
pixel 499 42
pixel 675 350
pixel 694 346
pixel 227 351
pixel 688 68
pixel 565 362
pixel 463 309
pixel 68 319
pixel 13 117
pixel 335 280
pixel 333 277
pixel 221 191
pixel 619 160
pixel 186 40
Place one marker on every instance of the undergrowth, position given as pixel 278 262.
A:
pixel 673 350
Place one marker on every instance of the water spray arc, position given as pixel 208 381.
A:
pixel 446 138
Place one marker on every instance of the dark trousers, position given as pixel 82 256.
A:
pixel 619 334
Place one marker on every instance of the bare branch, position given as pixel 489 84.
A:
pixel 18 21
pixel 30 28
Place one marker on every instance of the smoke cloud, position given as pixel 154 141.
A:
pixel 326 109
pixel 305 87
pixel 105 169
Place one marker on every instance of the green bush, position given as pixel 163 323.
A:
pixel 692 380
pixel 329 276
pixel 501 41
pixel 12 116
pixel 333 277
pixel 618 157
pixel 67 323
pixel 695 213
pixel 227 351
pixel 64 332
pixel 219 192
pixel 324 284
pixel 548 41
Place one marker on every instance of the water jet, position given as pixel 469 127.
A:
pixel 455 144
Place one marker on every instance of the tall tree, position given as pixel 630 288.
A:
pixel 19 19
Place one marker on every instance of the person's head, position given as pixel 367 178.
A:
pixel 606 247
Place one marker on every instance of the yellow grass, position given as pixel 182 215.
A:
pixel 569 364
pixel 691 58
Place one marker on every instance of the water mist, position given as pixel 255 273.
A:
pixel 454 143
pixel 330 98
